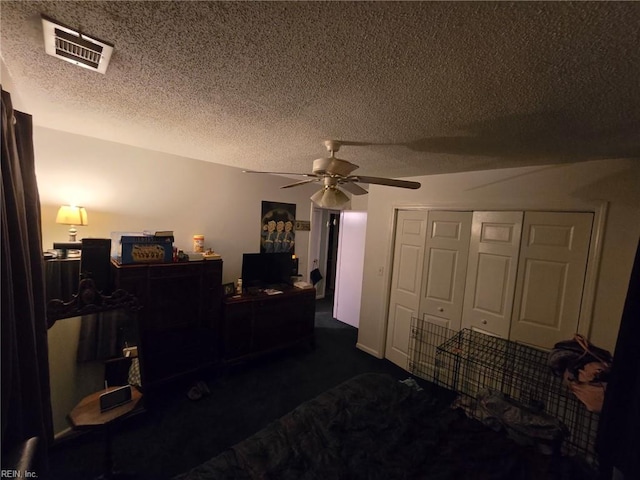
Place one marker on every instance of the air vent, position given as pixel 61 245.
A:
pixel 71 46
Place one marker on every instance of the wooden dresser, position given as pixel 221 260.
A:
pixel 254 325
pixel 180 315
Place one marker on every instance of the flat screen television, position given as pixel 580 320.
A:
pixel 264 270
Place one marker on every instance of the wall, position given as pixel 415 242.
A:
pixel 559 187
pixel 129 189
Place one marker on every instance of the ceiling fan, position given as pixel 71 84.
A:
pixel 334 172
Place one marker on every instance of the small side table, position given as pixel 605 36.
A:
pixel 87 415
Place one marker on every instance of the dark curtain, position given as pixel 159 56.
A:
pixel 26 406
pixel 618 441
pixel 61 278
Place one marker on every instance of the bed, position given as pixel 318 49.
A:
pixel 376 427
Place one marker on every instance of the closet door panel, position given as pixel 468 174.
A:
pixel 445 267
pixel 552 266
pixel 406 280
pixel 491 274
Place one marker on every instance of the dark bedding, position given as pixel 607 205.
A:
pixel 375 427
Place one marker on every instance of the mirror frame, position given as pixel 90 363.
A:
pixel 89 300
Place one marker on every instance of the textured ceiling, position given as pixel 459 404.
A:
pixel 450 86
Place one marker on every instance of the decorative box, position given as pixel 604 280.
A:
pixel 146 249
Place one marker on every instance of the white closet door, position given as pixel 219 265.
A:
pixel 404 299
pixel 445 268
pixel 491 274
pixel 552 265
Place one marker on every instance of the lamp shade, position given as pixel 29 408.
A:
pixel 72 215
pixel 330 197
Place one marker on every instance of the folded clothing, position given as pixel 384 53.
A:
pixel 573 355
pixel 584 368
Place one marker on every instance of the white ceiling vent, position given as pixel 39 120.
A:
pixel 75 47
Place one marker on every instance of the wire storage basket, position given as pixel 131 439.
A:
pixel 470 362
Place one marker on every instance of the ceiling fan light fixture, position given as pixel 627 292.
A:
pixel 330 197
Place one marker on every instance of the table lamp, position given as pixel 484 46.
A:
pixel 72 215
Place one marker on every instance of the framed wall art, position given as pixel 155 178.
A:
pixel 302 226
pixel 228 289
pixel 277 228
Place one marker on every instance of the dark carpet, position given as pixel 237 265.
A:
pixel 176 433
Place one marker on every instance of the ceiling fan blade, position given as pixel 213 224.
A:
pixel 353 188
pixel 356 143
pixel 303 182
pixel 281 173
pixel 390 182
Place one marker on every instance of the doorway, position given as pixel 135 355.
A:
pixel 333 230
pixel 323 248
pixel 337 249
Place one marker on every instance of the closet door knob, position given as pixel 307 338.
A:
pixel 484 322
pixel 440 309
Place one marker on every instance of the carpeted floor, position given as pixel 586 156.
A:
pixel 324 315
pixel 176 433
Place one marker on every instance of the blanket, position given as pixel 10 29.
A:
pixel 374 427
